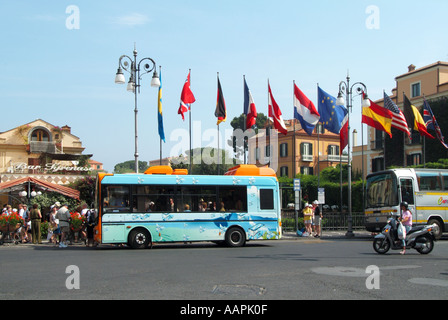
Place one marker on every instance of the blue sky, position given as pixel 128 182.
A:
pixel 66 77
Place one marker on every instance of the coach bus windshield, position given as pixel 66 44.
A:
pixel 381 190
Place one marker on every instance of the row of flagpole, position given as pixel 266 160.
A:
pixel 304 111
pixel 329 113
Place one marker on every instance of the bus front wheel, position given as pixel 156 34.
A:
pixel 235 237
pixel 139 239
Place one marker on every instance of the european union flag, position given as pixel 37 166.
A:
pixel 331 115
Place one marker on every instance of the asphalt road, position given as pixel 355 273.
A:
pixel 305 269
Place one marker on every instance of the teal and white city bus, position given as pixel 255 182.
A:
pixel 166 205
pixel 425 190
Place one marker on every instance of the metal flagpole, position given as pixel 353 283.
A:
pixel 218 148
pixel 318 148
pixel 218 130
pixel 294 136
pixel 244 123
pixel 160 138
pixel 191 149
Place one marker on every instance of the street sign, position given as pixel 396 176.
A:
pixel 296 184
pixel 321 195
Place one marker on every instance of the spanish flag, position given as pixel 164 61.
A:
pixel 220 111
pixel 414 118
pixel 378 117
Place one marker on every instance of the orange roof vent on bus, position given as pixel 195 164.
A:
pixel 250 170
pixel 166 170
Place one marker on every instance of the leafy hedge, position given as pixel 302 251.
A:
pixel 329 180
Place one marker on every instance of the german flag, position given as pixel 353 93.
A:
pixel 220 111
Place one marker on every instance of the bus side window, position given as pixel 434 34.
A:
pixel 116 199
pixel 266 199
pixel 445 181
pixel 429 181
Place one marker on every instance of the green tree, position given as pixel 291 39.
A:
pixel 239 123
pixel 205 162
pixel 129 166
pixel 86 187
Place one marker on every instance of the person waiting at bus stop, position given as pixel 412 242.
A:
pixel 317 220
pixel 64 223
pixel 36 218
pixel 308 217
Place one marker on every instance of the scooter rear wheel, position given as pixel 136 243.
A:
pixel 428 245
pixel 381 246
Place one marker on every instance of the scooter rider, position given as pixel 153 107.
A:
pixel 406 221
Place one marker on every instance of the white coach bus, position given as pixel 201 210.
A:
pixel 425 190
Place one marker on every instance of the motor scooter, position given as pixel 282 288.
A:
pixel 420 238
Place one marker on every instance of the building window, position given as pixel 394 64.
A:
pixel 284 150
pixel 415 89
pixel 40 135
pixel 414 159
pixel 284 171
pixel 415 137
pixel 333 150
pixel 267 151
pixel 378 143
pixel 306 170
pixel 377 164
pixel 306 151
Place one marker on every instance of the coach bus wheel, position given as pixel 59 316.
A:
pixel 235 237
pixel 139 239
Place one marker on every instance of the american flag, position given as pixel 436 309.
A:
pixel 431 122
pixel 398 119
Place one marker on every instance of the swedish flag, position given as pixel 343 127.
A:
pixel 160 115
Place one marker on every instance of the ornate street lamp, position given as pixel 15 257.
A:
pixel 136 71
pixel 347 90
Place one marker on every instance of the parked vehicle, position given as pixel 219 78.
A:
pixel 425 190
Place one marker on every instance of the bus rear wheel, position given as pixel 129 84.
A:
pixel 235 237
pixel 139 239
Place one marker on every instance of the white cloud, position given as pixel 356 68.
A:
pixel 133 19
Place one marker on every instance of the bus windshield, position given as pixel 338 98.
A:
pixel 381 190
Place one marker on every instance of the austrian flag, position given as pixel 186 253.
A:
pixel 275 113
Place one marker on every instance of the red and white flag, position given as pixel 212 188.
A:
pixel 186 98
pixel 275 114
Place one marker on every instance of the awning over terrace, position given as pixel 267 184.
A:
pixel 37 184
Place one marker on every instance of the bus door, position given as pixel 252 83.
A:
pixel 408 194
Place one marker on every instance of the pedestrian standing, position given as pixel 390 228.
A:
pixel 308 218
pixel 317 219
pixel 63 216
pixel 90 222
pixel 36 219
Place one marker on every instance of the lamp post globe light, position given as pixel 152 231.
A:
pixel 347 90
pixel 136 71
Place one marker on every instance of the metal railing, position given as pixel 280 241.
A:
pixel 331 220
